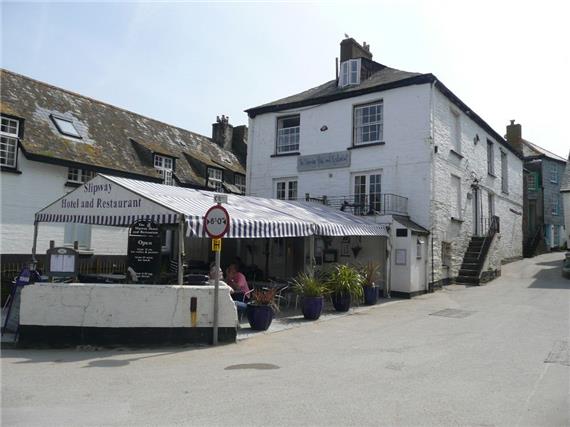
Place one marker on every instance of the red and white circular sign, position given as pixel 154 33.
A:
pixel 217 221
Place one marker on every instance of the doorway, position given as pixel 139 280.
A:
pixel 476 212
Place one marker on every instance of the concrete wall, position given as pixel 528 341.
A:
pixel 24 194
pixel 403 161
pixel 471 165
pixel 122 306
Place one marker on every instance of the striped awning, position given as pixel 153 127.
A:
pixel 113 201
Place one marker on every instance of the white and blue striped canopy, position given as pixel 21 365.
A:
pixel 113 201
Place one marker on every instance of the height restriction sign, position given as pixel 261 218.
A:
pixel 217 221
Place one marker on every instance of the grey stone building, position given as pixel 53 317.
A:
pixel 543 222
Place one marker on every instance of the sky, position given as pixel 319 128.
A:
pixel 185 63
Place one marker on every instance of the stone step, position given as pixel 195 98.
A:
pixel 469 273
pixel 467 280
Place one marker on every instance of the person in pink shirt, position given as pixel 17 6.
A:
pixel 237 282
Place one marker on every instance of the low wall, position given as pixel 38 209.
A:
pixel 58 314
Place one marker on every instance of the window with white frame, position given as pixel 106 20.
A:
pixel 288 134
pixel 490 158
pixel 286 189
pixel 504 173
pixel 215 180
pixel 65 126
pixel 9 133
pixel 555 205
pixel 79 176
pixel 369 123
pixel 553 174
pixel 532 181
pixel 77 232
pixel 165 166
pixel 349 72
pixel 239 182
pixel 456 130
pixel 456 197
pixel 367 193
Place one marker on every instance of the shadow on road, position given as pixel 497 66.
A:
pixel 550 278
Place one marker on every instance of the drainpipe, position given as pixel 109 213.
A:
pixel 432 186
pixel 181 251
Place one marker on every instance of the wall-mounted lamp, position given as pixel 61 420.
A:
pixel 476 139
pixel 324 128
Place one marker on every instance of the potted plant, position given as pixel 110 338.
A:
pixel 369 273
pixel 261 308
pixel 345 283
pixel 311 289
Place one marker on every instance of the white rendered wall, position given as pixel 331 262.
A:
pixel 123 306
pixel 472 165
pixel 24 194
pixel 403 161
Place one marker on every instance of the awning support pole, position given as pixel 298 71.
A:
pixel 181 251
pixel 312 255
pixel 34 247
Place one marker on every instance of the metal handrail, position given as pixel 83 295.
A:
pixel 494 227
pixel 366 204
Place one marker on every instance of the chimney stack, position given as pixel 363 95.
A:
pixel 222 132
pixel 514 136
pixel 351 49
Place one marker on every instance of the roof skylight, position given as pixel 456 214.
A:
pixel 65 126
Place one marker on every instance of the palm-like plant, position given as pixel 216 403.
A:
pixel 369 273
pixel 308 285
pixel 347 280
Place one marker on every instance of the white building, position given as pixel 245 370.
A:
pixel 383 141
pixel 54 140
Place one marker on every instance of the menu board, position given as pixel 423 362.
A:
pixel 144 250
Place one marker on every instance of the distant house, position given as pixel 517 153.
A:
pixel 544 211
pixel 53 140
pixel 565 191
pixel 399 146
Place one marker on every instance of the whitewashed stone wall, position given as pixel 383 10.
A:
pixel 24 194
pixel 123 306
pixel 472 165
pixel 404 160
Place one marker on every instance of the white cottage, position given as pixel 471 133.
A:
pixel 402 147
pixel 54 140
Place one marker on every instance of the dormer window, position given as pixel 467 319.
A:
pixel 215 180
pixel 349 72
pixel 165 166
pixel 9 135
pixel 65 126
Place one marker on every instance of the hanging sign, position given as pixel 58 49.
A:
pixel 144 250
pixel 217 221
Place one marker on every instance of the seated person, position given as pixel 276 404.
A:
pixel 212 274
pixel 237 282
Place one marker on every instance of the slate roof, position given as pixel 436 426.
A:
pixel 533 150
pixel 113 139
pixel 384 78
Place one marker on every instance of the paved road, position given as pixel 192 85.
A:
pixel 481 362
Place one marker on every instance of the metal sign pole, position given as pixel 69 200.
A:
pixel 216 292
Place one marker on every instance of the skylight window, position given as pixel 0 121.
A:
pixel 65 127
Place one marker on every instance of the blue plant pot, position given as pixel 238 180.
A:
pixel 259 316
pixel 312 307
pixel 370 295
pixel 341 301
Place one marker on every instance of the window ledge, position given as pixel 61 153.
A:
pixel 296 153
pixel 492 175
pixel 11 170
pixel 371 144
pixel 459 220
pixel 505 192
pixel 73 184
pixel 456 153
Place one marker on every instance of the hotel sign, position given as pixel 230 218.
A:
pixel 338 159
